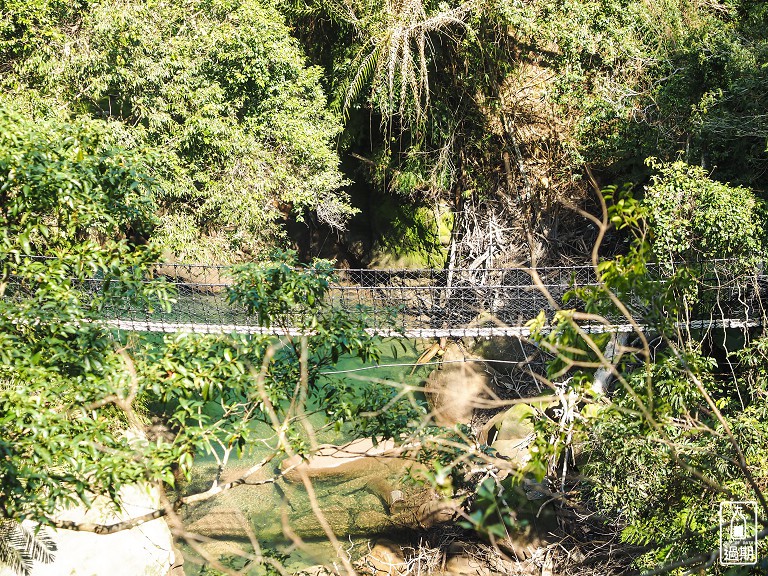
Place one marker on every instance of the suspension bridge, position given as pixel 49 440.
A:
pixel 459 302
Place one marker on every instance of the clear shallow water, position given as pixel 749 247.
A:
pixel 351 505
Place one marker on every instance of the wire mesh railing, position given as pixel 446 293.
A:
pixel 421 303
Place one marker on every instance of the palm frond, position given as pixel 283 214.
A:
pixel 397 65
pixel 339 12
pixel 11 557
pixel 363 76
pixel 22 546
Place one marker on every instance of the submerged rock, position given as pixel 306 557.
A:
pixel 358 487
pixel 378 469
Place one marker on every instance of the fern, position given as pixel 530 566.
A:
pixel 339 12
pixel 396 67
pixel 21 547
pixel 298 8
pixel 363 75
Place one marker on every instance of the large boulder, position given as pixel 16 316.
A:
pixel 146 550
pixel 359 458
pixel 511 433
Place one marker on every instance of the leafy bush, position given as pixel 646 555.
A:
pixel 64 186
pixel 220 89
pixel 693 217
pixel 674 436
pixel 72 392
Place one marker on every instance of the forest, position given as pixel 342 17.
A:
pixel 622 431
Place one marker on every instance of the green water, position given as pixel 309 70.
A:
pixel 355 507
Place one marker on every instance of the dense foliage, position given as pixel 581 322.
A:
pixel 494 107
pixel 679 432
pixel 74 394
pixel 693 217
pixel 474 132
pixel 489 107
pixel 65 187
pixel 220 92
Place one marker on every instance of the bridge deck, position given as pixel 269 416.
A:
pixel 461 332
